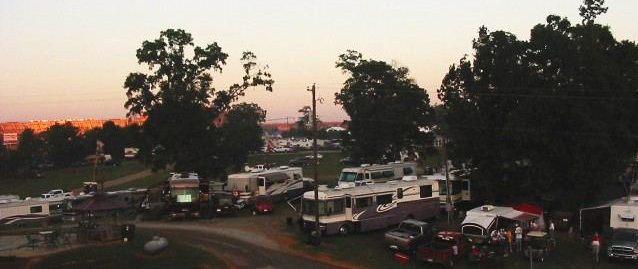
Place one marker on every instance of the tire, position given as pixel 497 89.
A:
pixel 344 229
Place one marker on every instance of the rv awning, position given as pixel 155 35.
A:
pixel 525 217
pixel 483 221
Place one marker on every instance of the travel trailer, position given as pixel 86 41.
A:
pixel 460 186
pixel 376 173
pixel 481 221
pixel 370 207
pixel 31 209
pixel 624 213
pixel 279 183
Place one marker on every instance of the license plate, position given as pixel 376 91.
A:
pixel 184 209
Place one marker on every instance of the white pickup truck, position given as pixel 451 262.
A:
pixel 56 193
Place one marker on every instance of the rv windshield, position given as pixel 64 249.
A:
pixel 186 195
pixel 350 177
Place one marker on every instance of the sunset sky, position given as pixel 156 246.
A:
pixel 69 59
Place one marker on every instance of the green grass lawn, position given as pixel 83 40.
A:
pixel 144 182
pixel 131 255
pixel 67 178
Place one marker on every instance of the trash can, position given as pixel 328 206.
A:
pixel 128 231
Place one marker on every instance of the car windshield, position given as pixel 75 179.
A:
pixel 263 199
pixel 350 177
pixel 623 236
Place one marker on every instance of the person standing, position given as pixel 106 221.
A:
pixel 519 237
pixel 551 229
pixel 508 234
pixel 595 245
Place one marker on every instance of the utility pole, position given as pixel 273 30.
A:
pixel 448 199
pixel 314 164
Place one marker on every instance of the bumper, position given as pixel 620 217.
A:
pixel 622 256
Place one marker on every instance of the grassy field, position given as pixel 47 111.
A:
pixel 67 178
pixel 144 182
pixel 131 255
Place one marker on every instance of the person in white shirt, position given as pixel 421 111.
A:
pixel 519 237
pixel 551 229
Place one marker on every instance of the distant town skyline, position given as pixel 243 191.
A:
pixel 69 59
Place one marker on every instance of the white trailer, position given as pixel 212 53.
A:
pixel 623 213
pixel 280 183
pixel 23 210
pixel 376 173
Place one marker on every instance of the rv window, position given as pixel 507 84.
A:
pixel 335 206
pixel 400 193
pixel 384 199
pixel 388 173
pixel 36 209
pixel 348 202
pixel 466 185
pixel 364 202
pixel 426 191
pixel 407 171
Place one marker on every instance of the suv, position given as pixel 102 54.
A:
pixel 299 162
pixel 623 244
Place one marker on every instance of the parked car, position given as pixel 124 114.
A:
pixel 263 204
pixel 623 244
pixel 223 202
pixel 348 161
pixel 539 245
pixel 446 248
pixel 282 149
pixel 408 235
pixel 299 162
pixel 311 156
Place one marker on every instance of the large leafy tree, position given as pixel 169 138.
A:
pixel 387 109
pixel 552 116
pixel 30 149
pixel 114 139
pixel 241 133
pixel 63 144
pixel 180 102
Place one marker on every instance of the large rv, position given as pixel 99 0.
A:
pixel 376 173
pixel 14 211
pixel 370 207
pixel 184 195
pixel 460 186
pixel 279 183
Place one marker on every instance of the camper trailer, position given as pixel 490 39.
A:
pixel 376 173
pixel 184 195
pixel 15 211
pixel 370 207
pixel 624 213
pixel 460 186
pixel 481 221
pixel 279 183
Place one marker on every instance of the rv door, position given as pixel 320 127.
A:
pixel 261 183
pixel 348 207
pixel 465 190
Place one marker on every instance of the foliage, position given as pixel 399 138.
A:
pixel 552 116
pixel 114 139
pixel 30 149
pixel 62 144
pixel 241 134
pixel 590 9
pixel 181 103
pixel 387 108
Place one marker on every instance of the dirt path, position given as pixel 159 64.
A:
pixel 122 180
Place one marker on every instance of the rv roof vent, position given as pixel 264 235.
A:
pixel 409 178
pixel 398 162
pixel 365 165
pixel 283 167
pixel 487 208
pixel 393 182
pixel 344 185
pixel 391 163
pixel 323 187
pixel 633 199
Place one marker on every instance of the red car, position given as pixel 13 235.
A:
pixel 444 249
pixel 263 204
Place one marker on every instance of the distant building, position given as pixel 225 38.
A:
pixel 10 131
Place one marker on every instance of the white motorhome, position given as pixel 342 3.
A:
pixel 279 183
pixel 459 182
pixel 23 210
pixel 370 207
pixel 376 173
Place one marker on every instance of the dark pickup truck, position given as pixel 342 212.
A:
pixel 623 244
pixel 445 248
pixel 408 235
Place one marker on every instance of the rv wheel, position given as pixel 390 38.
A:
pixel 343 230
